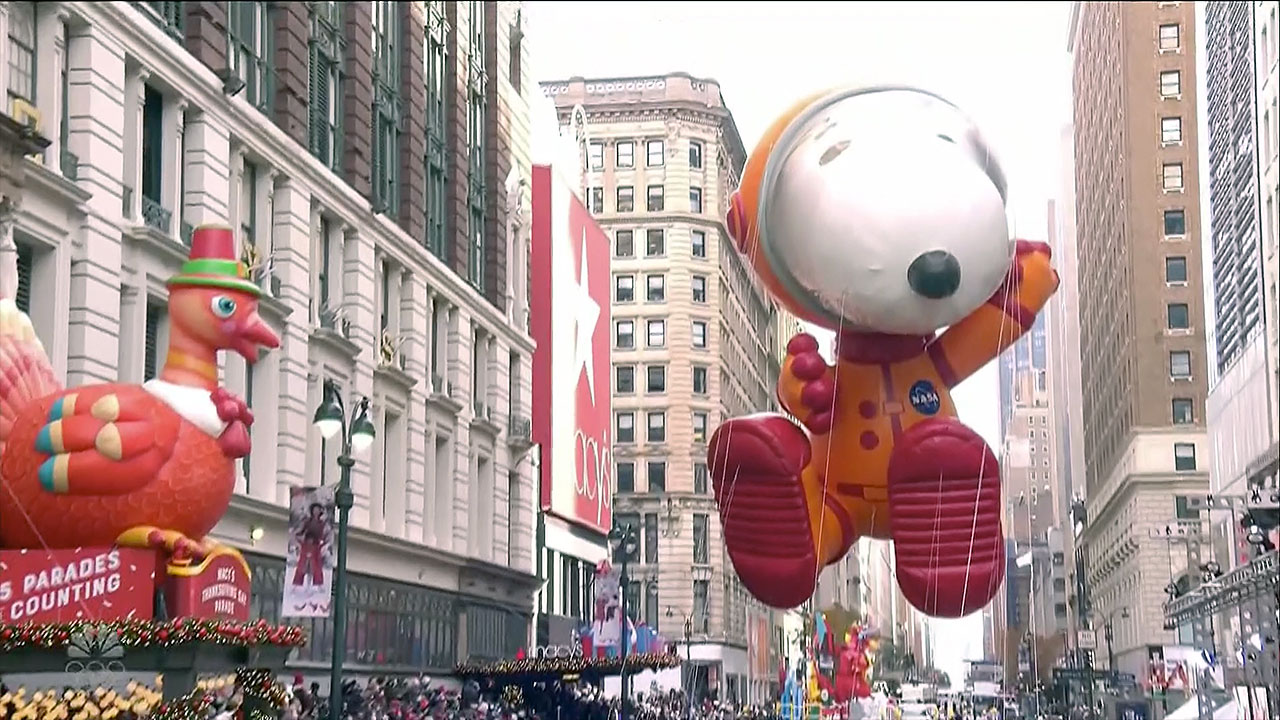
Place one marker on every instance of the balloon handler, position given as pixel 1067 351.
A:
pixel 878 213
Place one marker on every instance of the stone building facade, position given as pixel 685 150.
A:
pixel 319 132
pixel 695 341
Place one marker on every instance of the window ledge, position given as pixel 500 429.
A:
pixel 47 182
pixel 335 340
pixel 395 376
pixel 1175 238
pixel 164 245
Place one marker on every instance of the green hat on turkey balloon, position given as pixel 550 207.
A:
pixel 213 262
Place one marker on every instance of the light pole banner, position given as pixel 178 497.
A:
pixel 308 577
pixel 606 623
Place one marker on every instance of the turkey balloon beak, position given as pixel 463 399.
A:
pixel 252 335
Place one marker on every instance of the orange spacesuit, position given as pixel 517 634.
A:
pixel 884 455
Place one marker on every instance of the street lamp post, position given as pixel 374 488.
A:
pixel 1108 632
pixel 623 537
pixel 357 436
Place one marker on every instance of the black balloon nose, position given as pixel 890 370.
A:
pixel 935 274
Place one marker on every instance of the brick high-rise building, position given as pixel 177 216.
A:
pixel 694 338
pixel 1143 364
pixel 360 151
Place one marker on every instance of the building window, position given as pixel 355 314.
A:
pixel 1175 222
pixel 386 107
pixel 655 244
pixel 651 538
pixel 625 432
pixel 1170 37
pixel 657 477
pixel 249 34
pixel 1172 174
pixel 624 288
pixel 655 288
pixel 26 266
pixel 654 153
pixel 168 16
pixel 699 288
pixel 699 333
pixel 249 205
pixel 655 200
pixel 596 200
pixel 624 244
pixel 701 547
pixel 151 340
pixel 1171 130
pixel 1184 457
pixel 1179 316
pixel 435 57
pixel 657 333
pixel 325 83
pixel 700 478
pixel 477 115
pixel 699 380
pixel 1183 411
pixel 695 199
pixel 698 244
pixel 625 154
pixel 595 156
pixel 657 426
pixel 655 379
pixel 625 477
pixel 624 379
pixel 1175 269
pixel 1170 83
pixel 152 151
pixel 701 608
pixel 626 199
pixel 695 155
pixel 699 426
pixel 625 334
pixel 22 52
pixel 1180 364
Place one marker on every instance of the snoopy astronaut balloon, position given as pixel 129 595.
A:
pixel 878 213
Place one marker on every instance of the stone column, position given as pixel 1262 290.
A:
pixel 97 71
pixel 174 118
pixel 429 370
pixel 51 18
pixel 4 51
pixel 208 170
pixel 358 292
pixel 463 479
pixel 264 200
pixel 8 247
pixel 416 330
pixel 291 238
pixel 135 93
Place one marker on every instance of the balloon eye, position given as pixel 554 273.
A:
pixel 223 306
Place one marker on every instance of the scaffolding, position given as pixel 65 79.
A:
pixel 1250 590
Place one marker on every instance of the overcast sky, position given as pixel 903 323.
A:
pixel 1003 62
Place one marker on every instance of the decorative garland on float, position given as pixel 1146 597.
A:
pixel 257 687
pixel 151 633
pixel 569 665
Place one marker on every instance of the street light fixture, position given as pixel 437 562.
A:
pixel 1109 633
pixel 625 545
pixel 357 436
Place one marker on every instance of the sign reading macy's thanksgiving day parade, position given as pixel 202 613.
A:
pixel 108 491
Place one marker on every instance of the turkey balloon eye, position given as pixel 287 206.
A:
pixel 224 307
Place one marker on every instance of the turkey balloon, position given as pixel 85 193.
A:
pixel 146 466
pixel 878 213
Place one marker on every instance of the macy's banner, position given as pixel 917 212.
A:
pixel 114 583
pixel 572 379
